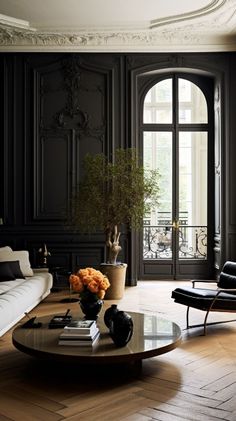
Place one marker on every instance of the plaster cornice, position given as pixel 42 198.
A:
pixel 187 32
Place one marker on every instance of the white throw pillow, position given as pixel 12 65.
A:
pixel 22 256
pixel 6 248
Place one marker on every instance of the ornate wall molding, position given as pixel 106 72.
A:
pixel 211 28
pixel 169 40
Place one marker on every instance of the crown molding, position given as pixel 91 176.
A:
pixel 172 40
pixel 187 32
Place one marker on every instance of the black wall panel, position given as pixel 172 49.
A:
pixel 56 107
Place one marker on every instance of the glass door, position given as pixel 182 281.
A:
pixel 175 139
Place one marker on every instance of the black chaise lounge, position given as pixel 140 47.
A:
pixel 222 298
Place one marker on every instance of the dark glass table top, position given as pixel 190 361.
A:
pixel 152 336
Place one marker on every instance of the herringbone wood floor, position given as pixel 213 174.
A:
pixel 196 381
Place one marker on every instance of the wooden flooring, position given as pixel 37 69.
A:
pixel 196 381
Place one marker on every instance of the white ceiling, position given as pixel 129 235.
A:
pixel 77 14
pixel 118 25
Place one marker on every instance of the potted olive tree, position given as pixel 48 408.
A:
pixel 109 196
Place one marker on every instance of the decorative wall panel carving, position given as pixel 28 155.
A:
pixel 71 115
pixel 56 108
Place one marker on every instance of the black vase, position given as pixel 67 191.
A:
pixel 109 314
pixel 91 309
pixel 121 328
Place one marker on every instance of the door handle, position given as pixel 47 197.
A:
pixel 175 224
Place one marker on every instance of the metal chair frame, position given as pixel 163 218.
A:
pixel 211 309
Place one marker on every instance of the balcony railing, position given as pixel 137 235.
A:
pixel 158 242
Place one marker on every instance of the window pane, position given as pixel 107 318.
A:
pixel 192 103
pixel 192 194
pixel 158 103
pixel 158 224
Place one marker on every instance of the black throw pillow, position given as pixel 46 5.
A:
pixel 15 268
pixel 6 272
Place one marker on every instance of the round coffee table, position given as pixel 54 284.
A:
pixel 152 336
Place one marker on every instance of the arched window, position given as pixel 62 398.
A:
pixel 175 140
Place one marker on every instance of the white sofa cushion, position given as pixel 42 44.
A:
pixel 20 296
pixel 22 256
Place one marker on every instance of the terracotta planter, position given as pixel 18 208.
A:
pixel 116 275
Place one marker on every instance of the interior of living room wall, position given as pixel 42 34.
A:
pixel 55 108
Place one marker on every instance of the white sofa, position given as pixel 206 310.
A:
pixel 21 295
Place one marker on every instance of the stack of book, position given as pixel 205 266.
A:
pixel 80 333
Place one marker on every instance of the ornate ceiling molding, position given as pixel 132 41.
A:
pixel 211 30
pixel 213 6
pixel 15 40
pixel 16 23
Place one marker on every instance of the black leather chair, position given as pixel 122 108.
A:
pixel 221 299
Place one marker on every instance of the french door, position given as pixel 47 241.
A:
pixel 176 138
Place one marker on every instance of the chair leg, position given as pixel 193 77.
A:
pixel 208 311
pixel 187 318
pixel 205 321
pixel 204 324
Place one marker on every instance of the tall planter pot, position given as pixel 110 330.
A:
pixel 116 275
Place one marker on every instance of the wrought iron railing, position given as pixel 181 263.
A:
pixel 158 242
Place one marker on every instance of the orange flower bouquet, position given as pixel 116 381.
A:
pixel 90 283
